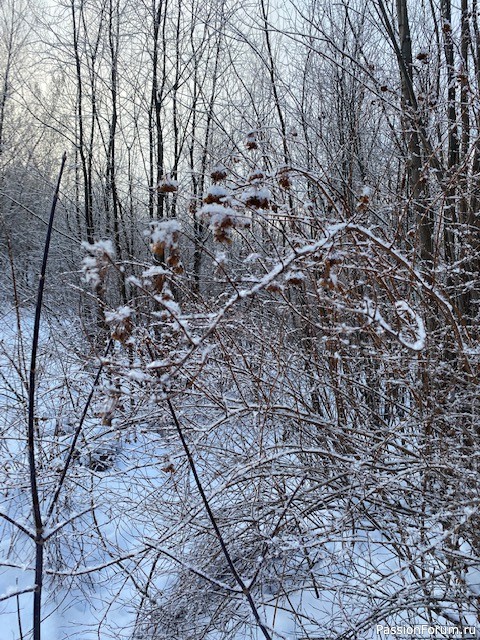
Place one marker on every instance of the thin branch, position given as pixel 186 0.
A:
pixel 23 529
pixel 77 433
pixel 14 594
pixel 211 517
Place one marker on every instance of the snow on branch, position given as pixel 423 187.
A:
pixel 372 312
pixel 12 592
pixel 95 264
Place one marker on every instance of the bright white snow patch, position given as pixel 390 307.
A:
pixel 119 315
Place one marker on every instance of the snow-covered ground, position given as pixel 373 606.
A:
pixel 104 512
pixel 131 548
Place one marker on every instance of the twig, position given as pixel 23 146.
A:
pixel 77 433
pixel 211 517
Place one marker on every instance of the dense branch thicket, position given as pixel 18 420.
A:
pixel 257 397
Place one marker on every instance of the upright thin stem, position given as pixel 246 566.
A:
pixel 37 515
pixel 238 579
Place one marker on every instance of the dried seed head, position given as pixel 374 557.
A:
pixel 295 278
pixel 216 194
pixel 121 322
pixel 283 177
pixel 256 176
pixel 168 184
pixel 274 287
pixel 95 265
pixel 257 198
pixel 219 172
pixel 251 141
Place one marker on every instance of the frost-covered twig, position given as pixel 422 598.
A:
pixel 238 579
pixel 432 291
pixel 19 526
pixel 15 593
pixel 267 279
pixel 191 569
pixel 48 534
pixel 77 433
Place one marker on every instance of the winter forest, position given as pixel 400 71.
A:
pixel 239 322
